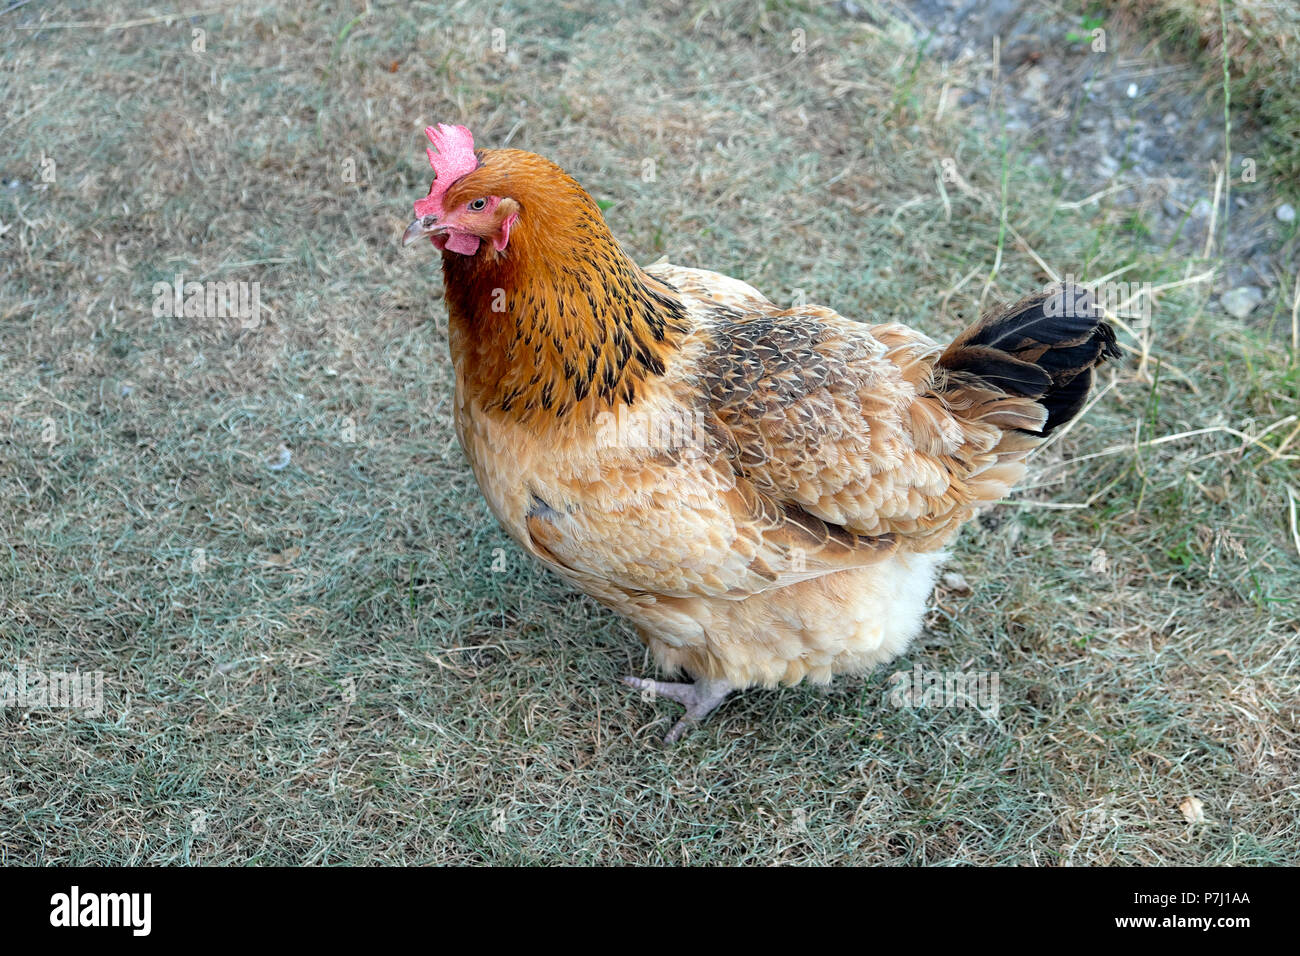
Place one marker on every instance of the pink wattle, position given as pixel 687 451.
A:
pixel 463 242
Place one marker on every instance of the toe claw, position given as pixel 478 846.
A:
pixel 678 730
pixel 698 698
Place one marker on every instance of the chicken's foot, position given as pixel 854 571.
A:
pixel 699 699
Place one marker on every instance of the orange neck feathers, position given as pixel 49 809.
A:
pixel 561 322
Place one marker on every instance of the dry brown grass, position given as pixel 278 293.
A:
pixel 320 662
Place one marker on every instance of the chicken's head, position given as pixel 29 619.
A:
pixel 462 223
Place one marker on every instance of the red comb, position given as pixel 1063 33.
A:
pixel 454 158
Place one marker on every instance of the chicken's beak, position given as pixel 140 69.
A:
pixel 421 228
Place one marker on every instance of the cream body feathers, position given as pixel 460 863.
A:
pixel 786 517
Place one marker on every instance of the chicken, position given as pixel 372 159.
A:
pixel 764 493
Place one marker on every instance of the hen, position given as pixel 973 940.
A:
pixel 765 493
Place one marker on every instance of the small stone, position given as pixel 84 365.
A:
pixel 1285 212
pixel 1201 209
pixel 955 582
pixel 1036 79
pixel 1240 302
pixel 1132 90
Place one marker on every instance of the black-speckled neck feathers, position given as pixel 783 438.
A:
pixel 561 320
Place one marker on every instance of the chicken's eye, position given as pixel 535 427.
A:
pixel 478 204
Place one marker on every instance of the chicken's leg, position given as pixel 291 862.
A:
pixel 699 699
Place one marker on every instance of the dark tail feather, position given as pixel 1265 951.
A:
pixel 1044 347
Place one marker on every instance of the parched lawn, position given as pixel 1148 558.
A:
pixel 318 647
